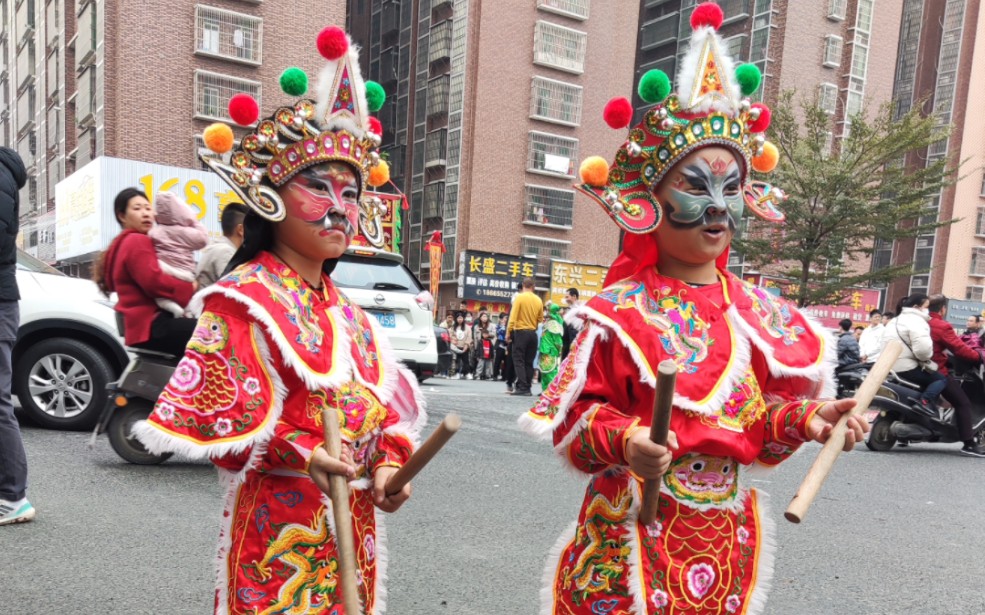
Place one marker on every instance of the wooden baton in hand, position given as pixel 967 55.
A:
pixel 445 430
pixel 344 539
pixel 663 401
pixel 825 460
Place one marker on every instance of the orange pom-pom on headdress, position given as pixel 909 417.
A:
pixel 219 138
pixel 767 161
pixel 379 175
pixel 594 171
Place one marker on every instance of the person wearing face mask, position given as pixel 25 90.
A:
pixel 278 345
pixel 915 363
pixel 753 373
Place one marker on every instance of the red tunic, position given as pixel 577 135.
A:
pixel 745 359
pixel 268 355
pixel 132 272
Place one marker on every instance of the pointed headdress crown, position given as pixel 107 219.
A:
pixel 710 107
pixel 335 126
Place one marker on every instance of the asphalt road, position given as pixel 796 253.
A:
pixel 898 532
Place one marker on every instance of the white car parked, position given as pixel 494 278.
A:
pixel 67 348
pixel 379 283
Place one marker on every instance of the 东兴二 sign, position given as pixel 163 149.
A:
pixel 490 276
pixel 588 279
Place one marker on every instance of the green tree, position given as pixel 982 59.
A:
pixel 841 199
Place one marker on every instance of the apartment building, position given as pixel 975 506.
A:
pixel 136 79
pixel 496 104
pixel 942 59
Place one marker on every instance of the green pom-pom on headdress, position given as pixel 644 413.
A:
pixel 749 78
pixel 375 96
pixel 654 87
pixel 294 81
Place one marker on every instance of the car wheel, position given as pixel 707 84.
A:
pixel 61 383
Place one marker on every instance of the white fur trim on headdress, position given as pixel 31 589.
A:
pixel 691 69
pixel 326 95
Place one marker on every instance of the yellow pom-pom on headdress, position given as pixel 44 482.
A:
pixel 767 161
pixel 594 171
pixel 379 174
pixel 219 138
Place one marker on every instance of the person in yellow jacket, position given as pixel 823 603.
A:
pixel 526 315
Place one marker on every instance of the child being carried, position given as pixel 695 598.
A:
pixel 176 236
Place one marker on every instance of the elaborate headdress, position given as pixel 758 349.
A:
pixel 709 108
pixel 334 127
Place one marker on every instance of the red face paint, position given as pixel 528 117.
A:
pixel 316 192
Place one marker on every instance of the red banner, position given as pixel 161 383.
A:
pixel 855 307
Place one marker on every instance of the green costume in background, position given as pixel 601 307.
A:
pixel 551 343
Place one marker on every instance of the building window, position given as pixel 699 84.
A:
pixel 213 91
pixel 829 141
pixel 978 261
pixel 549 206
pixel 552 155
pixel 983 186
pixel 832 51
pixel 544 250
pixel 440 38
pixel 436 148
pixel 555 101
pixel 560 47
pixel 576 9
pixel 737 46
pixel 863 20
pixel 860 59
pixel 437 96
pixel 434 199
pixel 980 223
pixel 975 293
pixel 659 31
pixel 837 9
pixel 828 97
pixel 228 34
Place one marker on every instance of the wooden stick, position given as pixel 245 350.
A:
pixel 442 434
pixel 344 541
pixel 663 402
pixel 825 460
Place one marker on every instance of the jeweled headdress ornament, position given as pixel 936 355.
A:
pixel 334 127
pixel 710 107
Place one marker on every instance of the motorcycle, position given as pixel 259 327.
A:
pixel 132 399
pixel 895 420
pixel 849 378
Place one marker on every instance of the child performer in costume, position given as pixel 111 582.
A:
pixel 277 343
pixel 750 365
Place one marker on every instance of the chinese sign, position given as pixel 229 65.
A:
pixel 855 307
pixel 491 277
pixel 958 312
pixel 84 218
pixel 588 279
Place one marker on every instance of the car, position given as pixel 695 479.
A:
pixel 444 349
pixel 68 347
pixel 380 283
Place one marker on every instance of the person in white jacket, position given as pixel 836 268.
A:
pixel 915 363
pixel 870 342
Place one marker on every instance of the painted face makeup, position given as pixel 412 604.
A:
pixel 326 196
pixel 707 191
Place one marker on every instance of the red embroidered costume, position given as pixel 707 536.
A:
pixel 746 361
pixel 268 355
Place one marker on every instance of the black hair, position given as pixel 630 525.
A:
pixel 860 328
pixel 232 216
pixel 888 315
pixel 258 237
pixel 122 200
pixel 915 300
pixel 874 312
pixel 573 292
pixel 937 303
pixel 845 324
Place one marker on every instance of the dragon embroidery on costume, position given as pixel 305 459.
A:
pixel 314 578
pixel 684 335
pixel 603 558
pixel 774 316
pixel 292 296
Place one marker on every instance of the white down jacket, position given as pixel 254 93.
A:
pixel 911 329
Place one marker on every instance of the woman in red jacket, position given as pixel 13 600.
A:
pixel 129 268
pixel 944 338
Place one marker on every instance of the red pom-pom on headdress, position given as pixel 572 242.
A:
pixel 707 14
pixel 333 43
pixel 375 126
pixel 618 112
pixel 243 109
pixel 761 123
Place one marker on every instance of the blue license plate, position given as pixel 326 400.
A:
pixel 386 319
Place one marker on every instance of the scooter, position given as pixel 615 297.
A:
pixel 850 377
pixel 894 420
pixel 132 399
